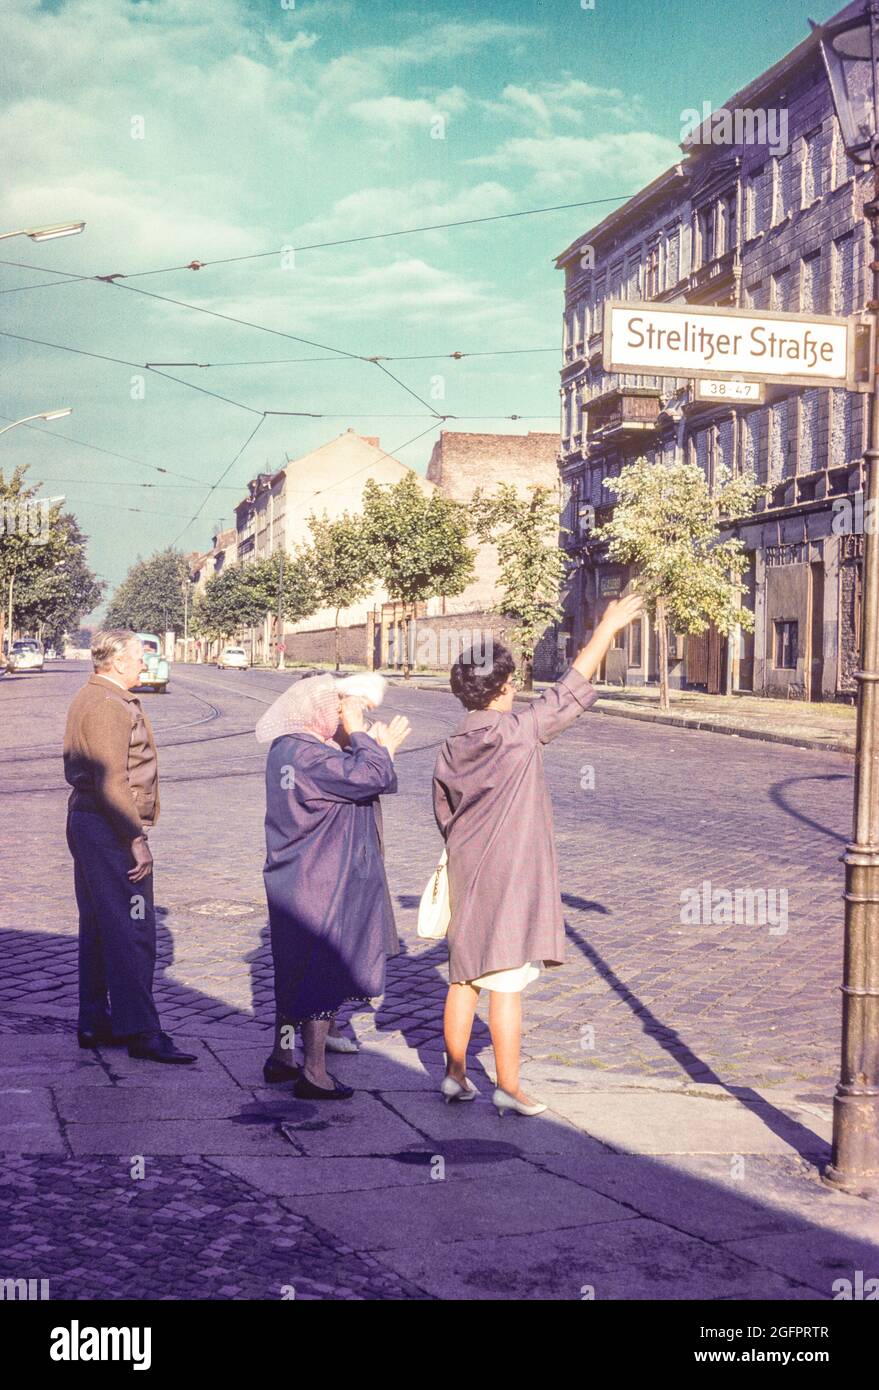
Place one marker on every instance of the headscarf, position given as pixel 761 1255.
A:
pixel 311 705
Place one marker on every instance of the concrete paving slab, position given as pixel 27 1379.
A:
pixel 700 1195
pixel 362 1125
pixel 121 1104
pixel 179 1137
pixel 46 1073
pixel 637 1259
pixel 392 1069
pixel 478 1121
pixel 649 1122
pixel 299 1176
pixel 818 1260
pixel 28 1123
pixel 448 1210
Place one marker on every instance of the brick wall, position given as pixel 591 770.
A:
pixel 319 647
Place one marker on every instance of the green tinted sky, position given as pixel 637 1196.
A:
pixel 265 125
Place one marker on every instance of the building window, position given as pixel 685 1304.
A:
pixel 705 233
pixel 598 321
pixel 840 448
pixel 633 277
pixel 635 643
pixel 672 256
pixel 808 432
pixel 729 230
pixel 778 450
pixel 651 273
pixel 842 166
pixel 813 167
pixel 843 277
pixel 810 295
pixel 785 658
pixel 783 296
pixel 753 455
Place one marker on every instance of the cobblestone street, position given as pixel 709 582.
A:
pixel 656 1011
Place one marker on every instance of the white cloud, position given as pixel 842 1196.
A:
pixel 559 163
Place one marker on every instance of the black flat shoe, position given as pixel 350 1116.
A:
pixel 160 1048
pixel 304 1089
pixel 99 1037
pixel 274 1071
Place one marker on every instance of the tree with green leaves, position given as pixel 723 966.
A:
pixel 45 582
pixel 524 530
pixel 52 601
pixel 243 596
pixel 343 563
pixel 150 597
pixel 418 542
pixel 667 523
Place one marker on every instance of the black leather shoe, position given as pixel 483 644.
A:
pixel 99 1037
pixel 274 1071
pixel 159 1048
pixel 304 1089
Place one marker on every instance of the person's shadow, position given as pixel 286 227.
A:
pixel 648 1187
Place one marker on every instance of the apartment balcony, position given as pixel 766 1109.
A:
pixel 624 411
pixel 714 282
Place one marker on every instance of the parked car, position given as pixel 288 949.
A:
pixel 232 659
pixel 156 669
pixel 27 655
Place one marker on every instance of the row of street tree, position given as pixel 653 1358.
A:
pixel 666 525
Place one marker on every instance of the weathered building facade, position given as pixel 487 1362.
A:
pixel 748 222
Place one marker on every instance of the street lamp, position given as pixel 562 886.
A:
pixel 43 415
pixel 849 49
pixel 47 233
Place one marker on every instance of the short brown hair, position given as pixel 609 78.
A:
pixel 107 643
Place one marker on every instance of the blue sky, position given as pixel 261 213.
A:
pixel 189 129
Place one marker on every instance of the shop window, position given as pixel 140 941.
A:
pixel 785 645
pixel 635 643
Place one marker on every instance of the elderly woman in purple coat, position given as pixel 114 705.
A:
pixel 330 914
pixel 493 809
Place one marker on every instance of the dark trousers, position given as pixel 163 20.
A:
pixel 117 930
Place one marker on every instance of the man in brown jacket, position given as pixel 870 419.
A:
pixel 111 763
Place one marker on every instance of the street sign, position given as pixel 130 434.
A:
pixel 731 389
pixel 684 340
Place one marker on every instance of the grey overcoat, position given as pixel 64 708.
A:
pixel 493 809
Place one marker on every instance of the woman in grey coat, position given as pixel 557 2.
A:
pixel 493 809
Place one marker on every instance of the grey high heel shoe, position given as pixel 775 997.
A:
pixel 503 1101
pixel 453 1090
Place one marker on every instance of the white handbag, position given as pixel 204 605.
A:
pixel 434 910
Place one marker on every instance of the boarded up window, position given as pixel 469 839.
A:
pixel 844 274
pixel 672 257
pixel 752 454
pixel 842 449
pixel 808 431
pixel 813 166
pixel 725 444
pixel 811 292
pixel 777 441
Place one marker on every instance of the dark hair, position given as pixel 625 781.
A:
pixel 475 682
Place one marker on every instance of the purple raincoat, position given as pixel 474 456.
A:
pixel 332 924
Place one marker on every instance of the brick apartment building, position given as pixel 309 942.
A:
pixel 767 225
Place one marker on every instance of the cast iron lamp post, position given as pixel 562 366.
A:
pixel 850 50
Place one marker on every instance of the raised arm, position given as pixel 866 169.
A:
pixel 559 706
pixel 617 615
